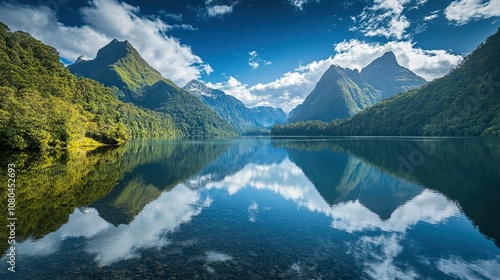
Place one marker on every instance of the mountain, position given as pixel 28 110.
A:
pixel 44 106
pixel 465 102
pixel 268 116
pixel 120 66
pixel 387 76
pixel 341 92
pixel 226 106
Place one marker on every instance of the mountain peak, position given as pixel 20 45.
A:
pixel 195 84
pixel 82 58
pixel 117 49
pixel 387 58
pixel 389 54
pixel 386 75
pixel 198 88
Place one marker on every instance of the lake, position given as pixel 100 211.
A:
pixel 259 208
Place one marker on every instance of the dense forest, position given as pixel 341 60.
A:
pixel 44 106
pixel 465 102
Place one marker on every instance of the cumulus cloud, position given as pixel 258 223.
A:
pixel 429 64
pixel 463 11
pixel 237 89
pixel 105 20
pixel 385 18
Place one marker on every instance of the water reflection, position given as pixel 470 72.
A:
pixel 227 208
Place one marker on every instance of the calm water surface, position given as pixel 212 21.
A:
pixel 253 208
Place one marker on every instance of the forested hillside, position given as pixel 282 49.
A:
pixel 43 106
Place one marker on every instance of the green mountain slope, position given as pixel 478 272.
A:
pixel 120 66
pixel 336 96
pixel 466 102
pixel 42 105
pixel 341 93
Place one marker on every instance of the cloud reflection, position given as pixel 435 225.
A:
pixel 110 244
pixel 378 253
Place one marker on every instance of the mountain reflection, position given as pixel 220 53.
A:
pixel 213 202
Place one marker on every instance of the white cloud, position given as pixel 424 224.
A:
pixel 431 16
pixel 385 18
pixel 300 3
pixel 429 64
pixel 177 17
pixel 463 11
pixel 86 223
pixel 255 61
pixel 254 64
pixel 456 267
pixel 426 207
pixel 105 20
pixel 237 89
pixel 217 8
pixel 185 27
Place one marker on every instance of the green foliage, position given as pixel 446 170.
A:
pixel 44 106
pixel 466 102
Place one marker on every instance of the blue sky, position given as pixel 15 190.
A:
pixel 263 52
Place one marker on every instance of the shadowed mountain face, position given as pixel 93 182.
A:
pixel 390 78
pixel 341 93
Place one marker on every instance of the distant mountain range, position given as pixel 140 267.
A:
pixel 341 92
pixel 119 65
pixel 465 102
pixel 234 111
pixel 268 116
